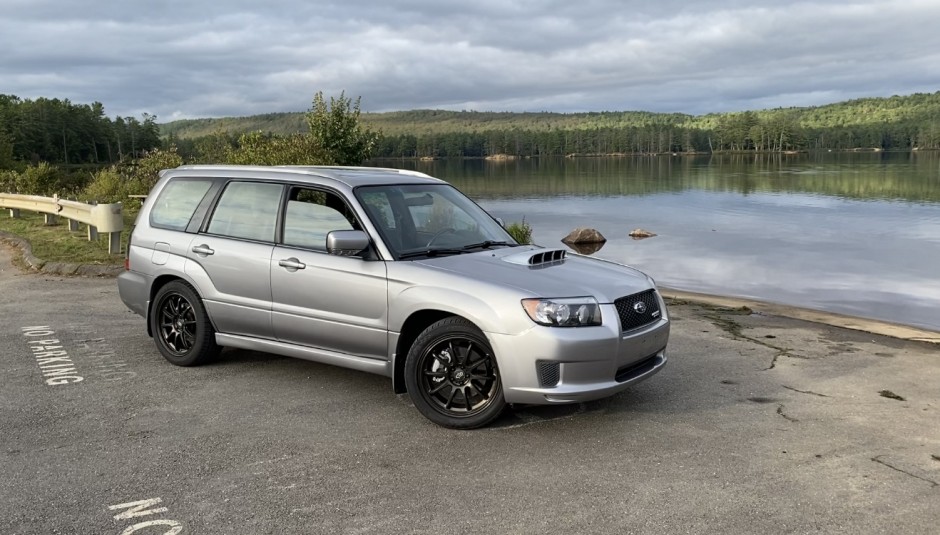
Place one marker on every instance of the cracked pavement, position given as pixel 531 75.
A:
pixel 759 423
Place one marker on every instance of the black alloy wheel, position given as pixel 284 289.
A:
pixel 180 325
pixel 452 377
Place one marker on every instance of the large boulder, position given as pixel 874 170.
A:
pixel 584 235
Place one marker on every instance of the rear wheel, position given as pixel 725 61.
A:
pixel 452 377
pixel 180 325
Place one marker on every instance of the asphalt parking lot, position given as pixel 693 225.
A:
pixel 758 424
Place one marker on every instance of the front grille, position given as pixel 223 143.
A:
pixel 633 315
pixel 549 373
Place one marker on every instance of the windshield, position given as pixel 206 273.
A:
pixel 430 219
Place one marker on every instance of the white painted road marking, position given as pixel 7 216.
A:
pixel 53 361
pixel 133 510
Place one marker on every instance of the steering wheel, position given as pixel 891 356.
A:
pixel 438 234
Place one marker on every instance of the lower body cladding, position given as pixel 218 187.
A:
pixel 547 365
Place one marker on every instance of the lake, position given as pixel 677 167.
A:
pixel 854 233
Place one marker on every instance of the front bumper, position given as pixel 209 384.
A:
pixel 590 362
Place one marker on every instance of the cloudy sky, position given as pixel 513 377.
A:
pixel 212 58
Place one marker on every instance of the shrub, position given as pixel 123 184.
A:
pixel 8 181
pixel 521 232
pixel 41 179
pixel 107 186
pixel 257 148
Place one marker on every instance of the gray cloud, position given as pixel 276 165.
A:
pixel 198 58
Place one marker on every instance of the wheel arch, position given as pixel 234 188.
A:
pixel 413 326
pixel 159 282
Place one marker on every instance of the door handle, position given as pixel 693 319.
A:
pixel 292 264
pixel 203 250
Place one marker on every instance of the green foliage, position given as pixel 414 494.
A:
pixel 521 232
pixel 258 148
pixel 108 186
pixel 6 151
pixel 878 123
pixel 8 180
pixel 213 148
pixel 336 129
pixel 58 131
pixel 137 177
pixel 41 179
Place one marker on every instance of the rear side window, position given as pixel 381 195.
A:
pixel 177 202
pixel 247 210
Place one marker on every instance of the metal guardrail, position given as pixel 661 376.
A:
pixel 99 217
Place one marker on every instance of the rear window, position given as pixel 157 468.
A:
pixel 177 202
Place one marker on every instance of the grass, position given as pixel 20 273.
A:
pixel 55 243
pixel 521 232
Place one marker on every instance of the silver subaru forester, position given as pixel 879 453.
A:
pixel 390 272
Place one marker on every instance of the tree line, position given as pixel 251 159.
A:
pixel 334 136
pixel 60 132
pixel 731 135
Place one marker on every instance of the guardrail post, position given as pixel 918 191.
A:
pixel 14 213
pixel 114 242
pixel 73 223
pixel 50 219
pixel 93 230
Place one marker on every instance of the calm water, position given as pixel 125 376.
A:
pixel 852 233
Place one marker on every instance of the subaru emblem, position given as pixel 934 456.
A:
pixel 639 307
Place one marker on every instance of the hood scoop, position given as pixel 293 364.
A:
pixel 537 258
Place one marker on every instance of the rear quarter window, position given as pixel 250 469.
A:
pixel 177 202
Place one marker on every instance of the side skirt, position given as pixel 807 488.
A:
pixel 323 356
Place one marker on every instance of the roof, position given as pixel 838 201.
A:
pixel 350 176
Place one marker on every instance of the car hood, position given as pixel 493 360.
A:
pixel 546 272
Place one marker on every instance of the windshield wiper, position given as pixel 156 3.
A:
pixel 431 253
pixel 487 244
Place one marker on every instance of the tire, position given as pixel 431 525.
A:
pixel 452 377
pixel 181 328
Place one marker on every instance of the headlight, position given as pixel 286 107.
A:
pixel 566 312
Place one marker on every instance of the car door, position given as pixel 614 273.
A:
pixel 234 252
pixel 338 303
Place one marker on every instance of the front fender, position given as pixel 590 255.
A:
pixel 503 315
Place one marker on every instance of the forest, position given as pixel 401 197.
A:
pixel 896 123
pixel 60 132
pixel 63 133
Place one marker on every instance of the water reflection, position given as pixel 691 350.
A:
pixel 585 248
pixel 851 233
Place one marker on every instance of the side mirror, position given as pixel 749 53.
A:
pixel 347 242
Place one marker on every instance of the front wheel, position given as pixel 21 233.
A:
pixel 180 325
pixel 452 377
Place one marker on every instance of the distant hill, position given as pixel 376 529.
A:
pixel 917 108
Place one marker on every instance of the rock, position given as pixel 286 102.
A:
pixel 584 235
pixel 639 234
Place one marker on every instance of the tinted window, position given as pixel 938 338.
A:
pixel 311 215
pixel 177 202
pixel 247 210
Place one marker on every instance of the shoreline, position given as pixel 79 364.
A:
pixel 834 319
pixel 514 157
pixel 23 249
